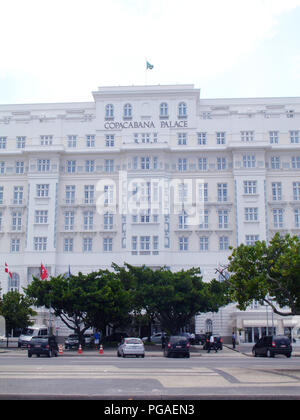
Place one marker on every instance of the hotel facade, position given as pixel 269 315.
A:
pixel 151 175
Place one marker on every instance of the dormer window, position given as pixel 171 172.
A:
pixel 127 111
pixel 182 110
pixel 163 110
pixel 109 112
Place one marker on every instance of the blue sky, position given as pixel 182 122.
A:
pixel 62 50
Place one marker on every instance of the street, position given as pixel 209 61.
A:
pixel 225 374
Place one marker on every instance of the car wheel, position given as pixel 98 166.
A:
pixel 289 355
pixel 29 355
pixel 38 355
pixel 254 353
pixel 187 356
pixel 269 354
pixel 142 356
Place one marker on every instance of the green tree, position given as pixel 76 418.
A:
pixel 17 310
pixel 267 273
pixel 172 298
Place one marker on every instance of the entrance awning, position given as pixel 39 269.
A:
pixel 259 323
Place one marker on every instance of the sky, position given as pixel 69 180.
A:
pixel 62 50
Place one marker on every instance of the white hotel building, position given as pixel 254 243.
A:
pixel 149 175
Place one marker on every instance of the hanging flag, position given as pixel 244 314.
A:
pixel 149 66
pixel 44 273
pixel 7 270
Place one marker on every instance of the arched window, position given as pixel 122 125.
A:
pixel 14 283
pixel 127 111
pixel 163 110
pixel 208 326
pixel 109 111
pixel 182 109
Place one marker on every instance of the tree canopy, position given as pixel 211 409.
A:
pixel 17 310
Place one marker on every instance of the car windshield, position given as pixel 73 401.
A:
pixel 29 331
pixel 133 341
pixel 281 340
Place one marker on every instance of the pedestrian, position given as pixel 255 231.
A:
pixel 233 339
pixel 212 345
pixel 193 338
pixel 163 341
pixel 96 339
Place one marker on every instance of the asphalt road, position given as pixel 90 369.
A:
pixel 213 376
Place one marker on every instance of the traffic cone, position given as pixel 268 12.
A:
pixel 60 349
pixel 80 349
pixel 101 349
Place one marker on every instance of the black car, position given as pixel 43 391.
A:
pixel 46 345
pixel 200 339
pixel 177 345
pixel 270 345
pixel 218 340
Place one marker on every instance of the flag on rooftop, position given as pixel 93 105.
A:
pixel 149 66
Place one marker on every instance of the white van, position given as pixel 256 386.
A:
pixel 28 333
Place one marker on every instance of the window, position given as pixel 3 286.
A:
pixel 296 191
pixel 249 161
pixel 223 219
pixel 221 163
pixel 202 139
pixel 134 243
pixel 183 243
pixel 87 244
pixel 204 243
pixel 2 168
pixel 294 136
pixel 276 191
pixel 127 111
pixel 70 194
pixel 222 192
pixel 107 244
pixel 18 195
pixel 16 221
pixel 182 220
pixel 71 166
pixel 41 217
pixel 89 166
pixel 15 245
pixel 108 221
pixel 203 219
pixel 69 220
pixel 19 167
pixel 145 162
pixel 72 141
pixel 297 218
pixel 182 139
pixel 290 113
pixel 88 219
pixel 14 281
pixel 202 164
pixel 182 165
pixel 40 243
pixel 251 214
pixel 43 165
pixel 277 218
pixel 251 239
pixel 182 110
pixel 273 136
pixel 296 162
pixel 108 194
pixel 275 162
pixel 68 245
pixel 46 140
pixel 250 187
pixel 247 136
pixel 145 243
pixel 221 137
pixel 3 142
pixel 42 190
pixel 223 243
pixel 109 165
pixel 21 141
pixel 1 195
pixel 90 140
pixel 203 192
pixel 182 193
pixel 163 110
pixel 109 140
pixel 89 191
pixel 109 111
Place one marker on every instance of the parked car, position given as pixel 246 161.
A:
pixel 217 339
pixel 118 336
pixel 28 333
pixel 270 345
pixel 72 341
pixel 131 346
pixel 200 339
pixel 155 338
pixel 46 345
pixel 177 345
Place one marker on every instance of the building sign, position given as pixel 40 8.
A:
pixel 116 125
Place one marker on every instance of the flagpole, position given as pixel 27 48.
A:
pixel 146 73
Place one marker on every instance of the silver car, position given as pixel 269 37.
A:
pixel 131 346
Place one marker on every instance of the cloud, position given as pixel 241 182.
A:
pixel 70 47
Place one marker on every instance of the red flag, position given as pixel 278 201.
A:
pixel 7 271
pixel 44 273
